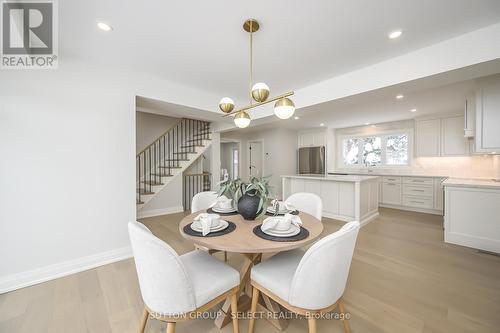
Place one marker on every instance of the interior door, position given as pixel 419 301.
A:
pixel 255 160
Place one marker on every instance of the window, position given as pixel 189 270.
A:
pixel 397 149
pixel 235 163
pixel 379 150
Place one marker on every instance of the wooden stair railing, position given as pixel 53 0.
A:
pixel 157 160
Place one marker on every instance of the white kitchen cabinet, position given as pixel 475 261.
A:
pixel 330 197
pixel 428 137
pixel 441 136
pixel 312 186
pixel 391 193
pixel 488 116
pixel 312 139
pixel 472 217
pixel 453 141
pixel 422 194
pixel 296 185
pixel 306 140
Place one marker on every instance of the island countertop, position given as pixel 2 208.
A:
pixel 338 178
pixel 478 183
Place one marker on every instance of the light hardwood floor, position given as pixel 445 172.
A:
pixel 403 279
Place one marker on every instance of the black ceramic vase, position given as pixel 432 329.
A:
pixel 248 206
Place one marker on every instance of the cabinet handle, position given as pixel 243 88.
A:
pixel 417 181
pixel 391 184
pixel 414 190
pixel 419 202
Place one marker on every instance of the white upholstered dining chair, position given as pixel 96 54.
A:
pixel 176 288
pixel 308 203
pixel 311 282
pixel 202 201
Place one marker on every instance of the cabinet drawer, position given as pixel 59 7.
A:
pixel 418 202
pixel 391 179
pixel 418 180
pixel 391 193
pixel 418 190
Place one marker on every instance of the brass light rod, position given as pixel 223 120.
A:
pixel 258 104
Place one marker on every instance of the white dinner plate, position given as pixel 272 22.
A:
pixel 271 210
pixel 294 230
pixel 196 226
pixel 223 210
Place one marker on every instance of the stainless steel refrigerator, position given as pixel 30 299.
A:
pixel 312 160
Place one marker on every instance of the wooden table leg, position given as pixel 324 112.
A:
pixel 224 314
pixel 270 308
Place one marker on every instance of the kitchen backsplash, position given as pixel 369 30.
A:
pixel 480 166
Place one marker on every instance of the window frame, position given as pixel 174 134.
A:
pixel 383 160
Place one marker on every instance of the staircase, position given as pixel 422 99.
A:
pixel 168 156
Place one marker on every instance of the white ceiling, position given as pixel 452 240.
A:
pixel 201 43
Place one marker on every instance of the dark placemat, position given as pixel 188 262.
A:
pixel 295 212
pixel 230 228
pixel 303 234
pixel 210 211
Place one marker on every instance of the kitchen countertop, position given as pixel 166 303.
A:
pixel 467 182
pixel 340 178
pixel 401 174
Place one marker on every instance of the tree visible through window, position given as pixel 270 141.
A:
pixel 376 150
pixel 397 150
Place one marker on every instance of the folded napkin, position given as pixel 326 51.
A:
pixel 276 205
pixel 222 202
pixel 284 222
pixel 206 220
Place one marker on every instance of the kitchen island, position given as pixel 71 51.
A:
pixel 346 198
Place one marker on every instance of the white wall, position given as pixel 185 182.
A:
pixel 280 153
pixel 67 184
pixel 149 127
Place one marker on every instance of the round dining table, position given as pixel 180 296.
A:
pixel 242 240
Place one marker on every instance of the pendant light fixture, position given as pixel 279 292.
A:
pixel 284 107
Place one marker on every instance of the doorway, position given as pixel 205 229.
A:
pixel 255 159
pixel 230 160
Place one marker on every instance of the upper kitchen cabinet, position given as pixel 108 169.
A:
pixel 312 138
pixel 453 141
pixel 441 136
pixel 488 115
pixel 428 137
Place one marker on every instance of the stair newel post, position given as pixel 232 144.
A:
pixel 154 163
pixel 138 165
pixel 163 158
pixel 184 138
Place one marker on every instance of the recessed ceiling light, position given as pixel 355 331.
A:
pixel 400 96
pixel 413 110
pixel 374 125
pixel 395 34
pixel 367 124
pixel 296 118
pixel 104 26
pixel 322 124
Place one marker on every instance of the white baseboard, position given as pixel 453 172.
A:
pixel 368 218
pixel 43 274
pixel 413 209
pixel 156 212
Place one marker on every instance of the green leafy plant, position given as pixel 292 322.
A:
pixel 257 186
